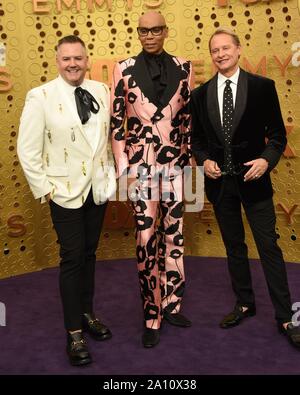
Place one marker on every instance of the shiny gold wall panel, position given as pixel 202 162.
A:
pixel 29 31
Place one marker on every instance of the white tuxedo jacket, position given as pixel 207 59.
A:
pixel 54 151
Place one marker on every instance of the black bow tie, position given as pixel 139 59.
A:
pixel 85 103
pixel 157 68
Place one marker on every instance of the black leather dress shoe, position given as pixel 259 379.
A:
pixel 150 337
pixel 95 328
pixel 292 332
pixel 236 316
pixel 77 349
pixel 177 319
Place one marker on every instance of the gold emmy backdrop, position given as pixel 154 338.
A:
pixel 29 31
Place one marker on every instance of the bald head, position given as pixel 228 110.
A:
pixel 151 18
pixel 152 31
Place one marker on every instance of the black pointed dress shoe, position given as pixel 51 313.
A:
pixel 292 332
pixel 95 328
pixel 150 337
pixel 177 319
pixel 77 349
pixel 236 316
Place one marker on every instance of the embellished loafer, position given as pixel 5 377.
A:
pixel 77 350
pixel 95 328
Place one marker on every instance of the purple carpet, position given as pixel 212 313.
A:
pixel 33 340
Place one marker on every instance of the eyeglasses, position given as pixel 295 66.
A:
pixel 155 31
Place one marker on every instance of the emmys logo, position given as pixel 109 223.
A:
pixel 296 316
pixel 2 314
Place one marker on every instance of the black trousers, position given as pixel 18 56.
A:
pixel 78 232
pixel 262 220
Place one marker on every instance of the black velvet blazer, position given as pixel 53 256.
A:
pixel 258 132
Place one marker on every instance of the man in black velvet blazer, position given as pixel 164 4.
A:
pixel 238 135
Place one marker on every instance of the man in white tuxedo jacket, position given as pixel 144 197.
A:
pixel 64 149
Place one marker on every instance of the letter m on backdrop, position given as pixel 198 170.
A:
pixel 2 314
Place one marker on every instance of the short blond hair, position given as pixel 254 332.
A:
pixel 225 30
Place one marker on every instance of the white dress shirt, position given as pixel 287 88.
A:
pixel 90 128
pixel 221 86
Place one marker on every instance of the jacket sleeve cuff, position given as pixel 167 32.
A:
pixel 271 159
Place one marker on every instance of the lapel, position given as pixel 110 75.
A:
pixel 213 104
pixel 240 100
pixel 98 115
pixel 173 78
pixel 98 127
pixel 142 77
pixel 213 107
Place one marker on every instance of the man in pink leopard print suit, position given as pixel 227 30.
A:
pixel 151 91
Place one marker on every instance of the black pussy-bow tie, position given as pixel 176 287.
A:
pixel 85 103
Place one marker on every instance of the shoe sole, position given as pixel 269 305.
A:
pixel 174 324
pixel 82 362
pixel 229 326
pixel 152 345
pixel 179 326
pixel 102 338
